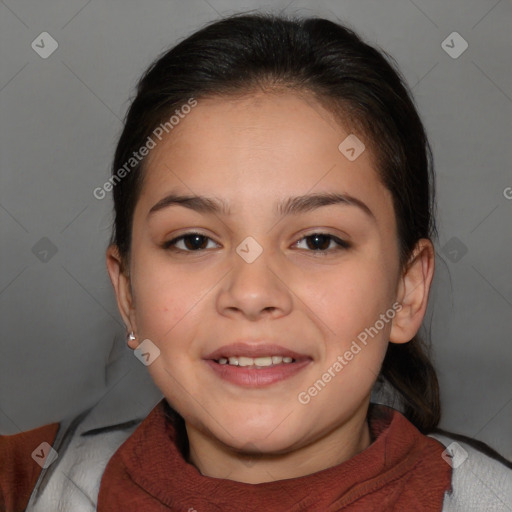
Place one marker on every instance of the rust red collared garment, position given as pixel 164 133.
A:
pixel 401 470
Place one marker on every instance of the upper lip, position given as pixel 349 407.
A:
pixel 254 350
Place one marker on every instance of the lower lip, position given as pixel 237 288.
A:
pixel 256 377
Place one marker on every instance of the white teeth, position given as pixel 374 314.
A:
pixel 259 362
pixel 244 361
pixel 263 361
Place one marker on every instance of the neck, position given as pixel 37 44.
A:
pixel 217 460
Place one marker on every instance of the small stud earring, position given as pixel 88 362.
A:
pixel 130 337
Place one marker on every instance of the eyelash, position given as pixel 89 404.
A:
pixel 341 244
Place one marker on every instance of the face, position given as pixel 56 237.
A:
pixel 264 275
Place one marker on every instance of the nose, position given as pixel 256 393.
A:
pixel 255 290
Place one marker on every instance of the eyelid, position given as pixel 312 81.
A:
pixel 334 233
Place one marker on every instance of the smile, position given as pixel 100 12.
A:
pixel 256 362
pixel 256 372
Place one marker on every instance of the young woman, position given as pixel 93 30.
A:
pixel 272 257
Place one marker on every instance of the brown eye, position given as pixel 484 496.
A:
pixel 189 242
pixel 322 242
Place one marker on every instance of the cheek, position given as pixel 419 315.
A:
pixel 349 301
pixel 349 297
pixel 169 312
pixel 165 299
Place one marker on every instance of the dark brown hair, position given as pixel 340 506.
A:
pixel 360 84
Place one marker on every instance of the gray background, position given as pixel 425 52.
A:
pixel 62 340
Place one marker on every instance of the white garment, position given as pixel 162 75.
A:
pixel 72 482
pixel 479 483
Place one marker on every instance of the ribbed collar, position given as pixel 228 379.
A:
pixel 401 468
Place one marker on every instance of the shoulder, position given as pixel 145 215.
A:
pixel 23 457
pixel 59 466
pixel 481 479
pixel 73 481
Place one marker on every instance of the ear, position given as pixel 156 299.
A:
pixel 412 293
pixel 119 276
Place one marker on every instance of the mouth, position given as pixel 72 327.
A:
pixel 256 362
pixel 253 366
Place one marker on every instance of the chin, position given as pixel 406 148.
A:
pixel 272 436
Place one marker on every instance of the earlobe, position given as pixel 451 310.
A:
pixel 121 283
pixel 412 293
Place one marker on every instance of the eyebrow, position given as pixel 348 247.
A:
pixel 290 206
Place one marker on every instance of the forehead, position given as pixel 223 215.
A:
pixel 259 148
